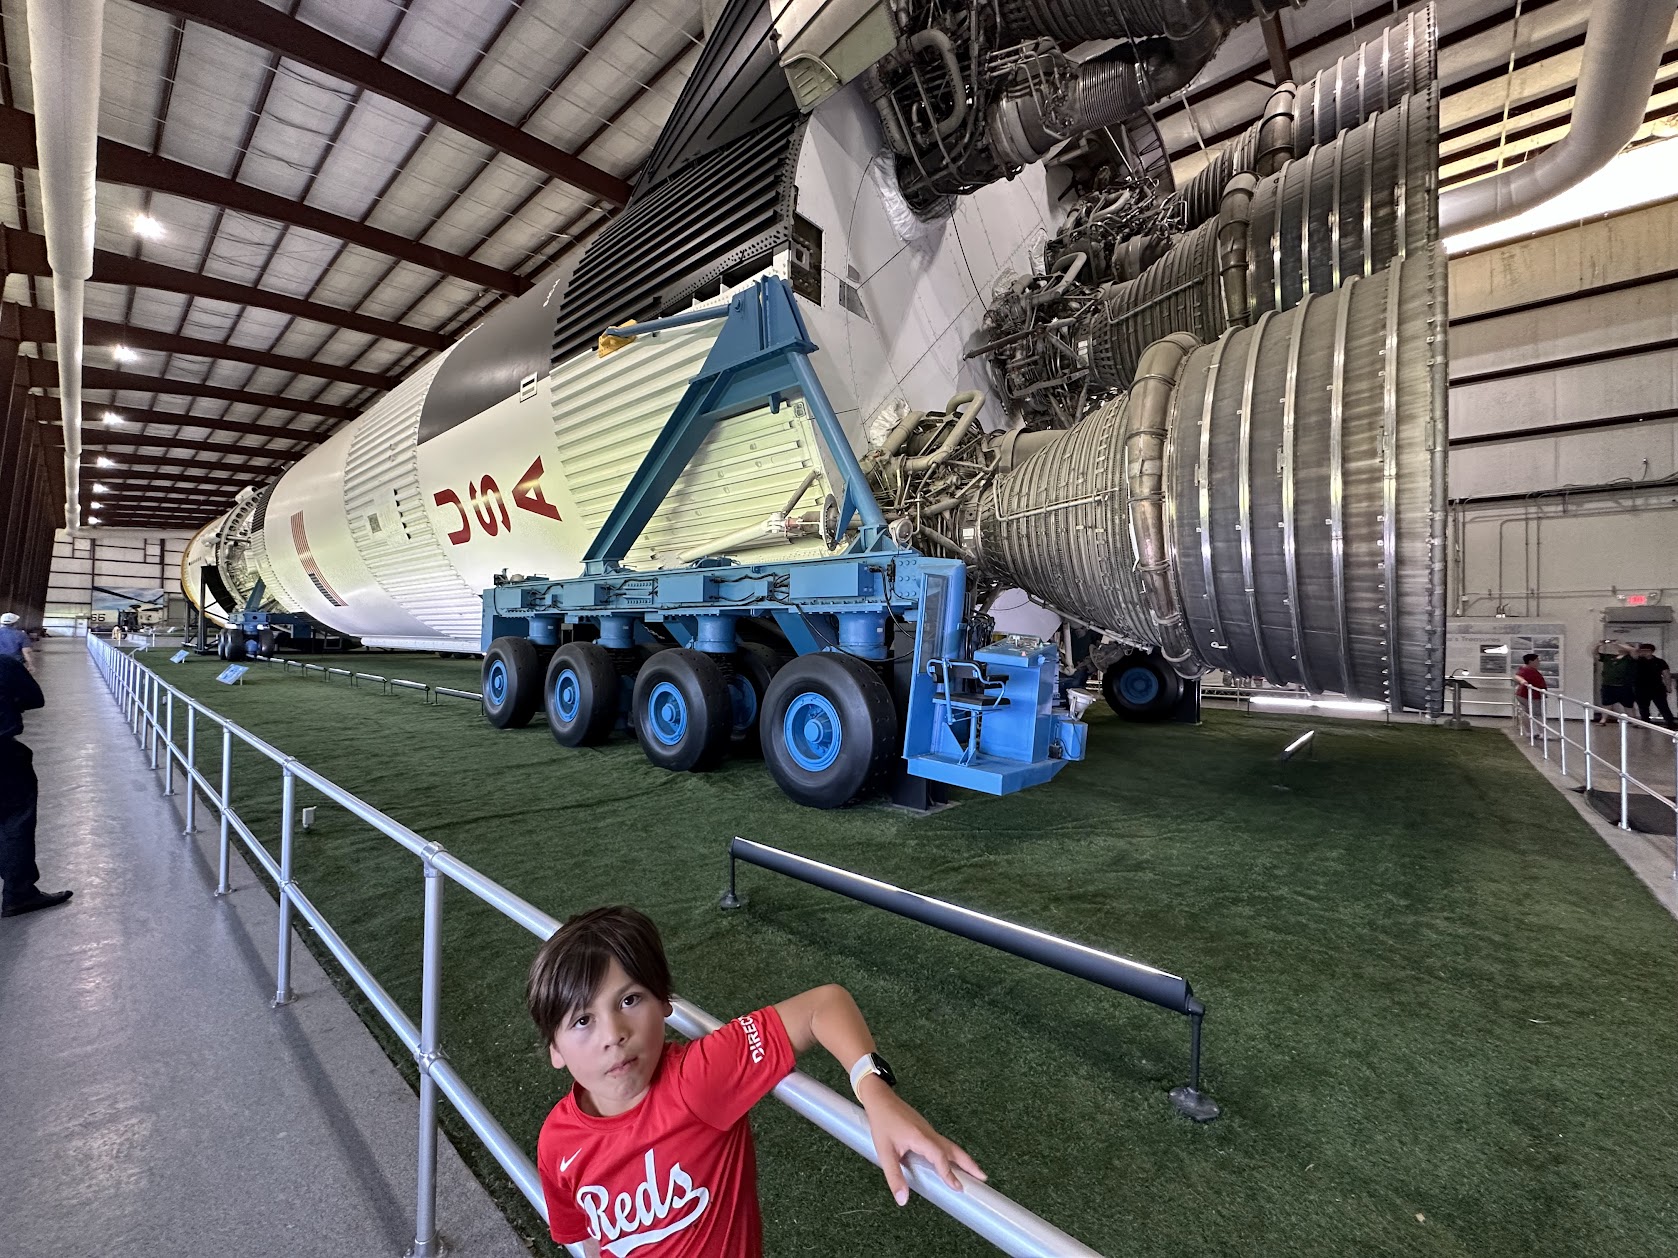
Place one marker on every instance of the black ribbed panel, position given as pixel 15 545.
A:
pixel 736 87
pixel 728 207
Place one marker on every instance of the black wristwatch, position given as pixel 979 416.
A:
pixel 871 1064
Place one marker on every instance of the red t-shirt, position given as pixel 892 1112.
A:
pixel 675 1177
pixel 1530 679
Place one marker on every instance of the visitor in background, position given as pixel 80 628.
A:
pixel 1528 680
pixel 1618 671
pixel 15 642
pixel 1651 679
pixel 18 792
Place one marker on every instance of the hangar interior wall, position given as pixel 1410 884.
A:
pixel 101 571
pixel 1564 426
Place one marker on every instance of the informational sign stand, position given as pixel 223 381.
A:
pixel 233 674
pixel 180 657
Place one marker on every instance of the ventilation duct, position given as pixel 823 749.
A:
pixel 1623 48
pixel 65 38
pixel 1272 504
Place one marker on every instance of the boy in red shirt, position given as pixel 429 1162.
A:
pixel 650 1151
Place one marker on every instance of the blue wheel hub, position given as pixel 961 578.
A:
pixel 744 700
pixel 812 732
pixel 1139 686
pixel 496 684
pixel 667 714
pixel 567 695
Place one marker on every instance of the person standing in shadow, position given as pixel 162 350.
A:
pixel 19 791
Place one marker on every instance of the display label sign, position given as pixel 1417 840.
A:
pixel 232 674
pixel 180 657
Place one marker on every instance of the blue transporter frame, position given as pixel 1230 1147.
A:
pixel 980 719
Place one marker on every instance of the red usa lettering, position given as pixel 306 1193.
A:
pixel 489 508
pixel 622 1223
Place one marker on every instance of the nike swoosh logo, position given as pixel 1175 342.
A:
pixel 565 1163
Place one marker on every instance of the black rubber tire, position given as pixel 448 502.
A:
pixel 267 642
pixel 221 645
pixel 696 737
pixel 596 690
pixel 1142 688
pixel 512 682
pixel 755 666
pixel 866 723
pixel 236 648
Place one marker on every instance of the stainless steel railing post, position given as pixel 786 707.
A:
pixel 1590 720
pixel 1625 791
pixel 169 743
pixel 152 714
pixel 1544 715
pixel 1561 722
pixel 431 999
pixel 191 769
pixel 288 810
pixel 225 802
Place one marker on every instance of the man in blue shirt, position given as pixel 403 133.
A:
pixel 18 793
pixel 14 641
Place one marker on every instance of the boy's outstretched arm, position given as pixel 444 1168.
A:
pixel 829 1017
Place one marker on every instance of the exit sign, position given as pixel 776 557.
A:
pixel 1637 600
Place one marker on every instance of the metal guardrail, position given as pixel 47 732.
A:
pixel 1543 716
pixel 148 704
pixel 1120 974
pixel 433 694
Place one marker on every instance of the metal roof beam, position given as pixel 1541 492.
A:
pixel 37 325
pixel 139 462
pixel 124 478
pixel 94 429
pixel 25 253
pixel 43 374
pixel 107 438
pixel 118 163
pixel 271 29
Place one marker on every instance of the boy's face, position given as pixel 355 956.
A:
pixel 613 1045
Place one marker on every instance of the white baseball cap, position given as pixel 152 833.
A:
pixel 10 618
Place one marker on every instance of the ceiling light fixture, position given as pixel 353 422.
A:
pixel 124 354
pixel 102 461
pixel 112 418
pixel 101 489
pixel 93 519
pixel 148 227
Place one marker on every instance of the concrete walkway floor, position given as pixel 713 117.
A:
pixel 151 1101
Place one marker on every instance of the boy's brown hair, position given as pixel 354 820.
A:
pixel 570 966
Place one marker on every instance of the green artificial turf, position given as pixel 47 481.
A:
pixel 1439 1008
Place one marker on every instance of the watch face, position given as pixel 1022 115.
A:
pixel 883 1069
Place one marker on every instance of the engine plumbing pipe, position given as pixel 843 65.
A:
pixel 65 38
pixel 1623 49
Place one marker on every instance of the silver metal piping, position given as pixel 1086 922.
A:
pixel 1623 49
pixel 65 41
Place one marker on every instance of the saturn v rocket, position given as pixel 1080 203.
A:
pixel 1205 421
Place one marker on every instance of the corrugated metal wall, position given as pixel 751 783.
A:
pixel 103 570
